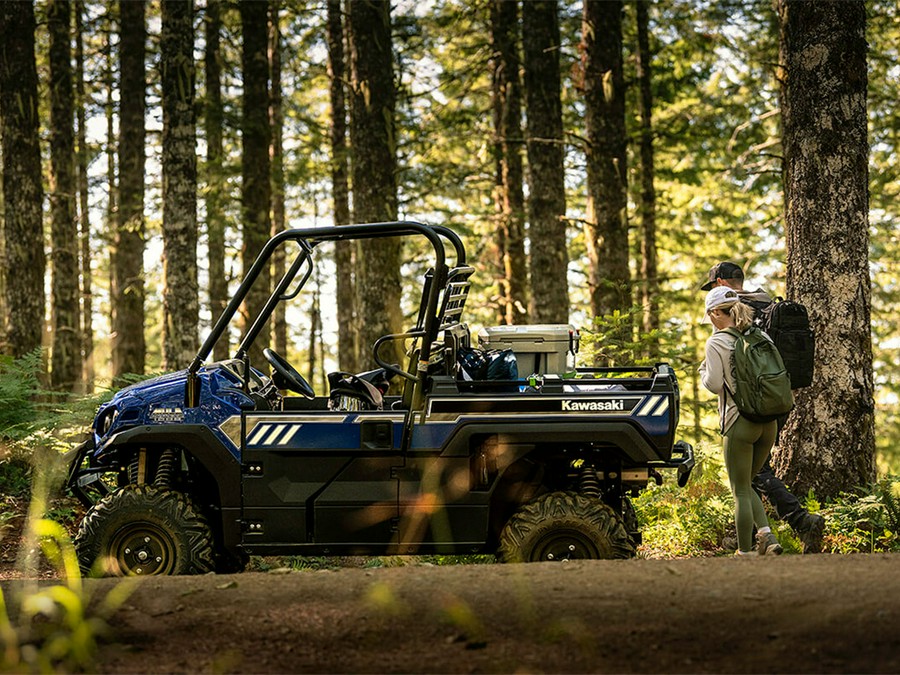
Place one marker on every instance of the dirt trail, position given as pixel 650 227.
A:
pixel 788 614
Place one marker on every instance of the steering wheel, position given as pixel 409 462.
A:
pixel 285 376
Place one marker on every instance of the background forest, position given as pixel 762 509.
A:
pixel 596 159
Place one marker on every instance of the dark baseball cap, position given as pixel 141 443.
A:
pixel 722 270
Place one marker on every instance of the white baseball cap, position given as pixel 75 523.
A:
pixel 720 296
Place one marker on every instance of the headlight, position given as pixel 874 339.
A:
pixel 104 424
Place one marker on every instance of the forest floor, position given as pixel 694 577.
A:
pixel 791 614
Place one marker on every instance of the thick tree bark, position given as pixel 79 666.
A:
pixel 276 154
pixel 84 217
pixel 66 351
pixel 649 271
pixel 606 230
pixel 509 195
pixel 829 441
pixel 215 178
pixel 372 137
pixel 546 154
pixel 348 329
pixel 127 293
pixel 22 190
pixel 256 190
pixel 181 296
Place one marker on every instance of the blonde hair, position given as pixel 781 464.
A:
pixel 741 314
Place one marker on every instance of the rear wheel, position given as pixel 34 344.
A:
pixel 141 530
pixel 563 526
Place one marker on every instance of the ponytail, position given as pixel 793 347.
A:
pixel 742 315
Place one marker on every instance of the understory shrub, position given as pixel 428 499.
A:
pixel 865 521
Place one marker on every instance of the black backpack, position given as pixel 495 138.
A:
pixel 787 323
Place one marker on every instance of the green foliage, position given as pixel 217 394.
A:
pixel 612 341
pixel 19 387
pixel 867 521
pixel 689 521
pixel 54 628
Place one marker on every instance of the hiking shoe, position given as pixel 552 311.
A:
pixel 767 544
pixel 810 533
pixel 743 554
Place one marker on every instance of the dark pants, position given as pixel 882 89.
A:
pixel 787 506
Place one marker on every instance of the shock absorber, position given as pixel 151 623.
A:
pixel 165 470
pixel 137 468
pixel 588 483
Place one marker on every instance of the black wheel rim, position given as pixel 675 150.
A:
pixel 564 545
pixel 143 550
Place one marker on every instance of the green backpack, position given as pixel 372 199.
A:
pixel 762 384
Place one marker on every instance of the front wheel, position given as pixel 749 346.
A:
pixel 563 526
pixel 141 530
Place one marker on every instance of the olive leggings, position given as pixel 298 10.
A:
pixel 747 446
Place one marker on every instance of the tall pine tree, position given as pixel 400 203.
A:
pixel 348 347
pixel 829 441
pixel 374 147
pixel 546 154
pixel 509 196
pixel 127 292
pixel 181 301
pixel 606 229
pixel 255 135
pixel 23 192
pixel 66 320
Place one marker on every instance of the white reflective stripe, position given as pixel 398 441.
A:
pixel 648 406
pixel 290 434
pixel 275 434
pixel 260 432
pixel 664 406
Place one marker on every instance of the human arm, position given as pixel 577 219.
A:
pixel 718 357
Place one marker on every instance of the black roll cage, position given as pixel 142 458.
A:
pixel 427 328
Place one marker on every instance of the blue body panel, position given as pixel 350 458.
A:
pixel 160 401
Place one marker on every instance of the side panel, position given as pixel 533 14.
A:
pixel 322 479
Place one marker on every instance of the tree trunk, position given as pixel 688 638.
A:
pixel 315 329
pixel 215 177
pixel 348 348
pixel 372 138
pixel 546 154
pixel 112 192
pixel 181 301
pixel 606 230
pixel 829 441
pixel 276 152
pixel 22 189
pixel 127 293
pixel 84 217
pixel 510 198
pixel 649 271
pixel 255 146
pixel 66 351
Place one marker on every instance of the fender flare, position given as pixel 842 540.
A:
pixel 200 442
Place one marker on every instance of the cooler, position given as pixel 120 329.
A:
pixel 539 349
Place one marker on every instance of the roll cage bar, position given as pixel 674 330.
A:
pixel 429 322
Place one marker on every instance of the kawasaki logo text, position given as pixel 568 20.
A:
pixel 594 406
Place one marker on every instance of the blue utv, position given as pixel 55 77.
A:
pixel 534 460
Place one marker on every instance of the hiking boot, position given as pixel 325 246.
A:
pixel 767 544
pixel 810 533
